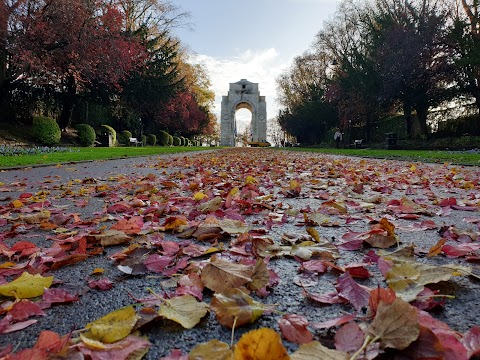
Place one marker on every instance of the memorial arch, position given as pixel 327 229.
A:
pixel 243 95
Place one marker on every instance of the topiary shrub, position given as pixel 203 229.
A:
pixel 163 138
pixel 112 132
pixel 124 137
pixel 177 141
pixel 144 140
pixel 46 130
pixel 86 134
pixel 151 139
pixel 184 141
pixel 170 140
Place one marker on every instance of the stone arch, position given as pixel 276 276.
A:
pixel 243 94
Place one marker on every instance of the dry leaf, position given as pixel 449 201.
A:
pixel 114 326
pixel 315 351
pixel 219 275
pixel 260 344
pixel 110 238
pixel 235 304
pixel 185 310
pixel 212 350
pixel 395 325
pixel 26 286
pixel 294 328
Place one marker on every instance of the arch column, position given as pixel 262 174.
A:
pixel 243 94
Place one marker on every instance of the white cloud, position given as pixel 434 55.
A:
pixel 261 67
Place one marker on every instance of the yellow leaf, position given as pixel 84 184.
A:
pixel 260 344
pixel 7 265
pixel 413 168
pixel 315 350
pixel 114 326
pixel 92 344
pixel 17 204
pixel 250 180
pixel 185 310
pixel 97 271
pixel 199 196
pixel 26 286
pixel 314 234
pixel 212 350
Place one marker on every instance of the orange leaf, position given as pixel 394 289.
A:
pixel 260 344
pixel 437 248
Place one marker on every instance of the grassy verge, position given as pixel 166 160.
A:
pixel 84 154
pixel 462 158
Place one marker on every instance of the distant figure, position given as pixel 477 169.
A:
pixel 337 137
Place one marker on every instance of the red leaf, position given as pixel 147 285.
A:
pixel 175 354
pixel 158 263
pixel 294 329
pixel 358 271
pixel 58 296
pixel 356 294
pixel 102 284
pixel 349 337
pixel 460 250
pixel 427 346
pixel 377 295
pixel 471 340
pixel 330 298
pixel 190 284
pixel 315 266
pixel 333 322
pixel 23 309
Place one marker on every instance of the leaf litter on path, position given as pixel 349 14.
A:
pixel 308 249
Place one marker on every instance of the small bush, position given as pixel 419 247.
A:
pixel 151 139
pixel 86 134
pixel 111 131
pixel 177 141
pixel 184 141
pixel 46 130
pixel 144 140
pixel 170 140
pixel 163 138
pixel 124 137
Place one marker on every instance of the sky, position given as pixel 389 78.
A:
pixel 255 40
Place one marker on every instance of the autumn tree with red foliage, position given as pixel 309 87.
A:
pixel 74 47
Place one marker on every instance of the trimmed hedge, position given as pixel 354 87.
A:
pixel 170 140
pixel 46 130
pixel 144 140
pixel 177 141
pixel 124 137
pixel 112 132
pixel 86 134
pixel 163 138
pixel 151 139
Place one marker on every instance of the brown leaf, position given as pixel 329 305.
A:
pixel 235 307
pixel 437 248
pixel 219 275
pixel 260 276
pixel 212 350
pixel 395 325
pixel 109 238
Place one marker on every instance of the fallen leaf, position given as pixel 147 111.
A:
pixel 26 286
pixel 315 350
pixel 234 307
pixel 212 350
pixel 260 344
pixel 349 338
pixel 114 326
pixel 220 275
pixel 356 294
pixel 185 310
pixel 129 348
pixel 109 238
pixel 294 328
pixel 395 325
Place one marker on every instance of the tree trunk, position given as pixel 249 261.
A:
pixel 407 113
pixel 422 113
pixel 69 102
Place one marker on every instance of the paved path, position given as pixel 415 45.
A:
pixel 277 192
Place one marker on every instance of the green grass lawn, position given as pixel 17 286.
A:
pixel 462 158
pixel 85 154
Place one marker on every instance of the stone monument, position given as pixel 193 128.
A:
pixel 243 95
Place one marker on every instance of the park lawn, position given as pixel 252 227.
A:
pixel 433 156
pixel 91 154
